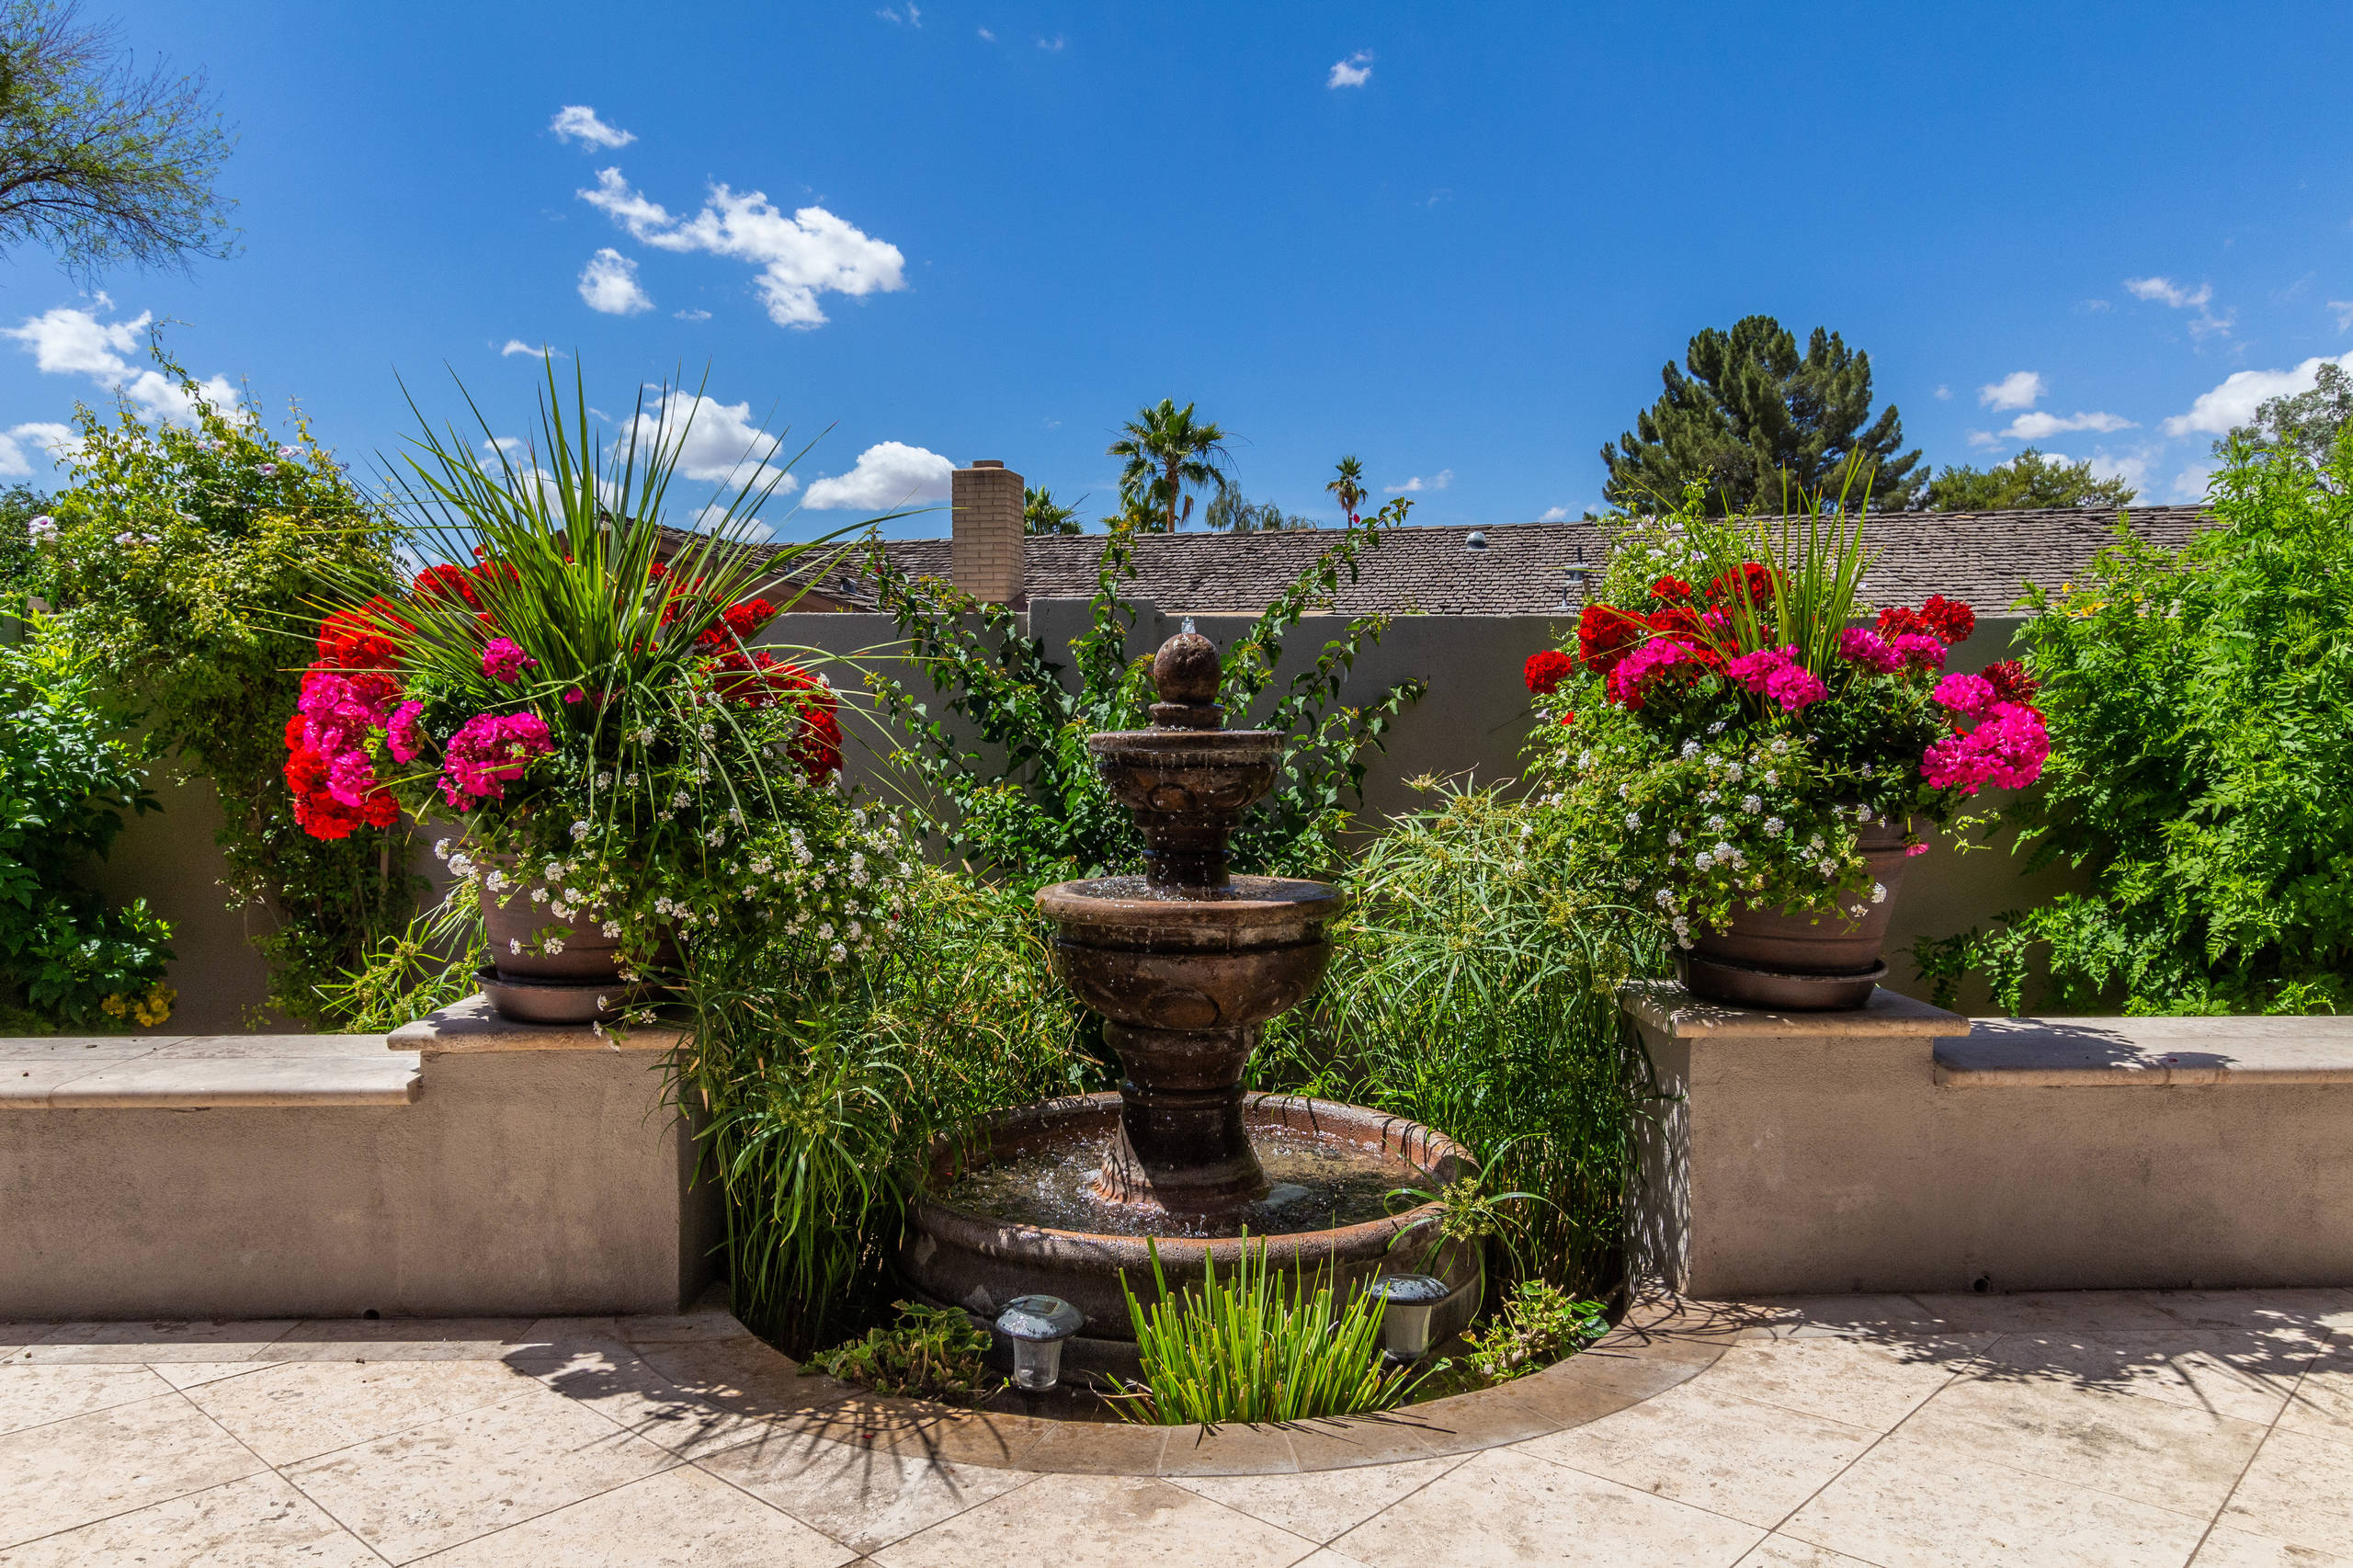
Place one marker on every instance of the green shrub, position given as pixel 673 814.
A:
pixel 933 1353
pixel 67 775
pixel 2200 704
pixel 1257 1345
pixel 1536 1325
pixel 192 562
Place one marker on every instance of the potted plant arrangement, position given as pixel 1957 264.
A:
pixel 1754 762
pixel 569 685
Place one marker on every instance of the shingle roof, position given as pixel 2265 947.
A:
pixel 1985 558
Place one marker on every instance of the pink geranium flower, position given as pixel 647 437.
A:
pixel 1971 695
pixel 2006 750
pixel 1775 673
pixel 503 660
pixel 487 750
pixel 1869 651
pixel 1658 654
pixel 403 734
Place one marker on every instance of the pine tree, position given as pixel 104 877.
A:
pixel 1762 427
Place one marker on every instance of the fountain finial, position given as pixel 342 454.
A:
pixel 1186 673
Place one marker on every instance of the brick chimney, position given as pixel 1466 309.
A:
pixel 984 551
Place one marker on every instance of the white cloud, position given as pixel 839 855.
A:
pixel 49 443
pixel 987 37
pixel 1353 71
pixel 609 283
pixel 2096 305
pixel 715 440
pixel 1554 515
pixel 2170 293
pixel 2234 401
pixel 2189 484
pixel 2344 309
pixel 516 345
pixel 890 474
pixel 2017 390
pixel 692 315
pixel 2035 427
pixel 1053 45
pixel 69 342
pixel 803 256
pixel 1944 395
pixel 2206 325
pixel 913 19
pixel 1984 439
pixel 2131 467
pixel 1437 480
pixel 578 122
pixel 66 341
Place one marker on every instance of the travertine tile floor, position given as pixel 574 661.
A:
pixel 2109 1430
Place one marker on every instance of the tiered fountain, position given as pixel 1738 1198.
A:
pixel 1184 963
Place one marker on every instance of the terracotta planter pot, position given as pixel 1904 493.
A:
pixel 1798 959
pixel 524 982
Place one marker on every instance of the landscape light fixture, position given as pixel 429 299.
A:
pixel 1405 1325
pixel 1038 1326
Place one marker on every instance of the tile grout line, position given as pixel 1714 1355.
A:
pixel 365 1544
pixel 1872 1447
pixel 1456 1461
pixel 2256 1452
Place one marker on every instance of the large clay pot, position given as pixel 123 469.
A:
pixel 580 984
pixel 1803 960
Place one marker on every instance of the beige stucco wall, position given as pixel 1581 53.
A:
pixel 520 1182
pixel 1820 1155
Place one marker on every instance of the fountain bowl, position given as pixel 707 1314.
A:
pixel 979 1261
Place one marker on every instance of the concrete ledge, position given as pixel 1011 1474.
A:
pixel 329 1176
pixel 472 1027
pixel 1868 1152
pixel 2146 1053
pixel 200 1072
pixel 1666 1007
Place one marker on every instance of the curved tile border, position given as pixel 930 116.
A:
pixel 1655 1347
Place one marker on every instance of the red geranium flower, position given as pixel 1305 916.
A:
pixel 1948 621
pixel 1544 672
pixel 1754 581
pixel 1670 588
pixel 2011 682
pixel 1605 635
pixel 363 638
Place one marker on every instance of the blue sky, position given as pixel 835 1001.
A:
pixel 1458 241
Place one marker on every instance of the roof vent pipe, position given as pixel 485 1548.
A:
pixel 1477 540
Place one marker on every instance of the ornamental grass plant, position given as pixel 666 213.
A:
pixel 1257 1345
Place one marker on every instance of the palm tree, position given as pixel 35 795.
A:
pixel 1167 449
pixel 1041 514
pixel 1349 489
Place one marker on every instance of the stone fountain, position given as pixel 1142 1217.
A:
pixel 1186 964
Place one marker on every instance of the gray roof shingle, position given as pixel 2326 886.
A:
pixel 1985 558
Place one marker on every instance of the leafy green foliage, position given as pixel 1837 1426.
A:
pixel 1231 512
pixel 98 162
pixel 19 505
pixel 67 775
pixel 1536 1325
pixel 1257 1345
pixel 820 1091
pixel 1472 988
pixel 2200 705
pixel 931 1353
pixel 189 562
pixel 1755 425
pixel 2028 480
pixel 1042 815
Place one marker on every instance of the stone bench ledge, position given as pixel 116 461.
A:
pixel 1666 1006
pixel 2146 1054
pixel 204 1072
pixel 472 1027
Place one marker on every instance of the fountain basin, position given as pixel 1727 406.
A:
pixel 969 1245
